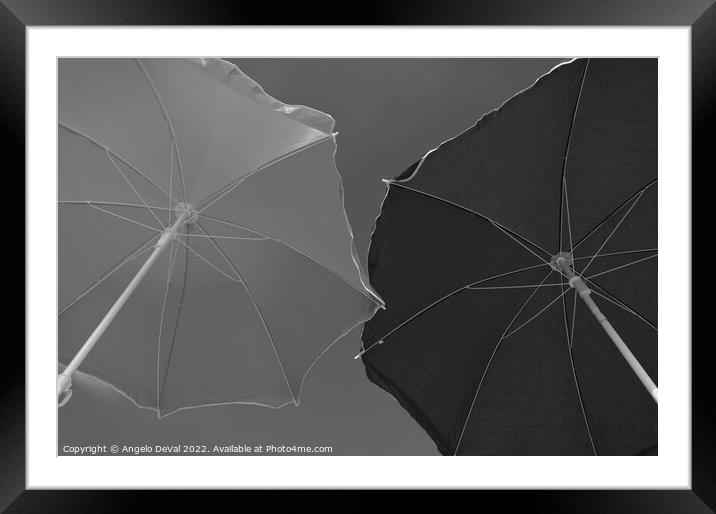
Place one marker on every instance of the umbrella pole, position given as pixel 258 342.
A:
pixel 584 292
pixel 64 379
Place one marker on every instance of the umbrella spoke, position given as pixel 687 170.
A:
pixel 581 402
pixel 622 305
pixel 566 318
pixel 180 308
pixel 519 242
pixel 569 221
pixel 212 199
pixel 257 238
pixel 617 209
pixel 171 177
pixel 563 194
pixel 265 236
pixel 113 204
pixel 540 312
pixel 256 306
pixel 513 287
pixel 616 253
pixel 165 112
pixel 613 299
pixel 134 254
pixel 623 266
pixel 569 330
pixel 512 234
pixel 574 320
pixel 91 204
pixel 579 395
pixel 172 260
pixel 109 156
pixel 492 357
pixel 612 232
pixel 242 227
pixel 209 263
pixel 442 299
pixel 114 153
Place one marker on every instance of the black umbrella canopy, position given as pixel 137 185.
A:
pixel 483 340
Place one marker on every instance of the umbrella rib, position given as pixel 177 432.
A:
pixel 623 266
pixel 492 357
pixel 218 195
pixel 574 320
pixel 122 217
pixel 584 270
pixel 523 245
pixel 235 238
pixel 233 279
pixel 440 300
pixel 171 179
pixel 512 287
pixel 511 234
pixel 172 261
pixel 614 299
pixel 566 319
pixel 168 119
pixel 109 156
pixel 306 255
pixel 569 221
pixel 622 305
pixel 614 211
pixel 570 339
pixel 507 232
pixel 563 188
pixel 581 401
pixel 232 224
pixel 134 254
pixel 180 308
pixel 256 306
pixel 540 312
pixel 616 253
pixel 114 204
pixel 108 149
pixel 514 235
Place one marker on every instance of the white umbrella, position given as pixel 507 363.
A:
pixel 204 253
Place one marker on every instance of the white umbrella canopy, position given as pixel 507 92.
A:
pixel 227 205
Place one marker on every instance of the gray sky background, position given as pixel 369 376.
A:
pixel 389 113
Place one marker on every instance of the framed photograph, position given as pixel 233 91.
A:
pixel 423 250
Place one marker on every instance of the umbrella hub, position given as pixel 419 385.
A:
pixel 187 209
pixel 561 261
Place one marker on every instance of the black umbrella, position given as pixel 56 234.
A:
pixel 518 263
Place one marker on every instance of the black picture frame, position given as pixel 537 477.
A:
pixel 16 15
